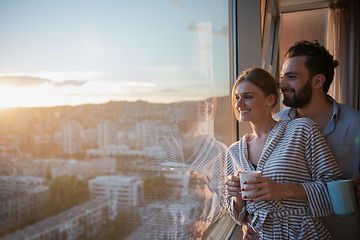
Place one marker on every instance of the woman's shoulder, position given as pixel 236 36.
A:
pixel 236 145
pixel 301 124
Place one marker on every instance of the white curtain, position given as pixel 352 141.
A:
pixel 343 42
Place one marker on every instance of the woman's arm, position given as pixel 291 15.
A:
pixel 235 204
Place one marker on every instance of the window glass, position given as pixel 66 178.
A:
pixel 304 25
pixel 114 118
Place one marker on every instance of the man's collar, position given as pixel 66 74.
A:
pixel 334 118
pixel 293 114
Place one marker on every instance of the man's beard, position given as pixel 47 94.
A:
pixel 301 98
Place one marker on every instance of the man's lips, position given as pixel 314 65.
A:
pixel 287 92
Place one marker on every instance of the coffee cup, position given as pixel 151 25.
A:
pixel 342 197
pixel 245 177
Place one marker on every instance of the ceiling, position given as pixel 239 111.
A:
pixel 300 5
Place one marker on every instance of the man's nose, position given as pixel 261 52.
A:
pixel 283 82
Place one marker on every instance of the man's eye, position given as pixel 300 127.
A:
pixel 248 97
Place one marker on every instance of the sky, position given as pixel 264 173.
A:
pixel 93 51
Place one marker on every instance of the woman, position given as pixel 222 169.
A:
pixel 294 159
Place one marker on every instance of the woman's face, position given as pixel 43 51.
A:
pixel 251 102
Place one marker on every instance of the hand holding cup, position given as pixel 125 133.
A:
pixel 245 177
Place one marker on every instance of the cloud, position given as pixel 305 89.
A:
pixel 75 83
pixel 22 81
pixel 27 81
pixel 169 90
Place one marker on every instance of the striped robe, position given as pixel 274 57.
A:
pixel 295 152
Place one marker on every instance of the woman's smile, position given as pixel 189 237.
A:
pixel 244 111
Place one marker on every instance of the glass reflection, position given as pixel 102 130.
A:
pixel 122 133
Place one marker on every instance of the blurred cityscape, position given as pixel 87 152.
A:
pixel 98 171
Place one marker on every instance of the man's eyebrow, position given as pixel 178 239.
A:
pixel 289 73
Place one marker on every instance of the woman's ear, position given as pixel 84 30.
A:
pixel 271 99
pixel 318 81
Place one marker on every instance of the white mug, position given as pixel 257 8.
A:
pixel 245 177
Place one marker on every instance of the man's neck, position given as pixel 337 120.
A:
pixel 319 109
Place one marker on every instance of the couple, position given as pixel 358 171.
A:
pixel 292 154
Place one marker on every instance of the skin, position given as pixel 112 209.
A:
pixel 255 107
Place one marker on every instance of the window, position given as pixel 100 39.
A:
pixel 304 25
pixel 134 89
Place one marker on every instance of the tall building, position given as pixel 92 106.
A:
pixel 72 137
pixel 106 134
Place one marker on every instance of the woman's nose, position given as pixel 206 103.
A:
pixel 239 103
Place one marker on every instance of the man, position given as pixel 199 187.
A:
pixel 306 76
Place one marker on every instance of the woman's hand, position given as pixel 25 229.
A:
pixel 249 233
pixel 233 189
pixel 271 190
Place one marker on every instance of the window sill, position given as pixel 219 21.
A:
pixel 225 228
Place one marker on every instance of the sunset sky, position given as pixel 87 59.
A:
pixel 72 52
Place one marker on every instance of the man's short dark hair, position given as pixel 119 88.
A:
pixel 318 60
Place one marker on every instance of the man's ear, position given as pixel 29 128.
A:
pixel 318 81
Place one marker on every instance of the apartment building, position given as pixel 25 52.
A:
pixel 81 222
pixel 128 191
pixel 22 208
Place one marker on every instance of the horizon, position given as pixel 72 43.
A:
pixel 62 53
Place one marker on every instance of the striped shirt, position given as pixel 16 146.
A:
pixel 295 152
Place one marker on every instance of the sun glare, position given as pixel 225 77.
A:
pixel 22 97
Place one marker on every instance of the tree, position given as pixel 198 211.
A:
pixel 65 192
